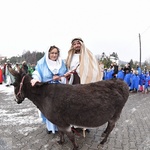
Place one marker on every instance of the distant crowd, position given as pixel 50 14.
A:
pixel 6 77
pixel 137 79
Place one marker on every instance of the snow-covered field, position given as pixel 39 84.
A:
pixel 14 114
pixel 16 120
pixel 5 89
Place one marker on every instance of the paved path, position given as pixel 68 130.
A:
pixel 21 129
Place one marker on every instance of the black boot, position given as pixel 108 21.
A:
pixel 48 132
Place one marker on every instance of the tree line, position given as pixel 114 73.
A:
pixel 29 57
pixel 33 57
pixel 106 60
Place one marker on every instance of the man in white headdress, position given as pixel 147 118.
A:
pixel 83 62
pixel 82 65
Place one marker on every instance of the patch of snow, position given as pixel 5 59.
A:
pixel 19 118
pixel 4 89
pixel 133 110
pixel 26 130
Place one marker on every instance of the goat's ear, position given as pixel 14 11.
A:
pixel 12 71
pixel 22 71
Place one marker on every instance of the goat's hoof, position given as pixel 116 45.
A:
pixel 100 146
pixel 48 132
pixel 103 134
pixel 76 148
pixel 103 141
pixel 60 142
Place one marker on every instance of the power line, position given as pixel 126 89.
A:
pixel 146 29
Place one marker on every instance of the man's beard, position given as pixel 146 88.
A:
pixel 77 51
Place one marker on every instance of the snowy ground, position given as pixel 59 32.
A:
pixel 20 115
pixel 15 118
pixel 4 89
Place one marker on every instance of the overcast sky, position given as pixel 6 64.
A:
pixel 104 25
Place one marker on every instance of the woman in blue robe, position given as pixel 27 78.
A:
pixel 50 68
pixel 134 82
pixel 109 74
pixel 120 74
pixel 146 83
pixel 127 78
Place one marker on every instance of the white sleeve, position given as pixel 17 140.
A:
pixel 36 75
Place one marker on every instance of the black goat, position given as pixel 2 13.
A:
pixel 88 105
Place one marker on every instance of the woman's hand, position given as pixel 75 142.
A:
pixel 56 77
pixel 33 81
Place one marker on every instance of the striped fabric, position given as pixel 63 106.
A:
pixel 89 68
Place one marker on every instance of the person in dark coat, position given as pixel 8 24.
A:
pixel 115 68
pixel 127 68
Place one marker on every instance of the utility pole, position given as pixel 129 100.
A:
pixel 140 47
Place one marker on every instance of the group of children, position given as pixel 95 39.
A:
pixel 137 80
